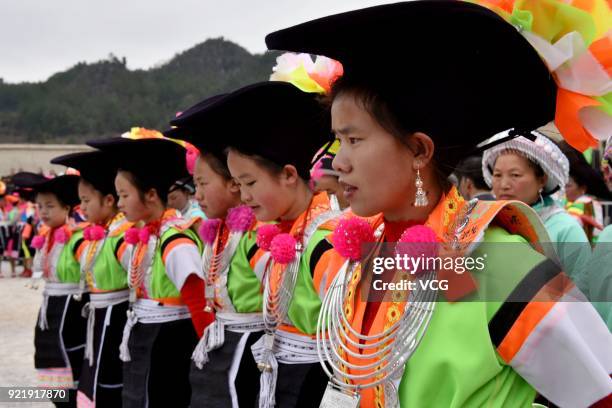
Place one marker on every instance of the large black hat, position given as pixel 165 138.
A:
pixel 187 127
pixel 64 187
pixel 274 120
pixel 158 161
pixel 96 168
pixel 454 70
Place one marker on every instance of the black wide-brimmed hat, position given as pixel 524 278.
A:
pixel 207 139
pixel 65 187
pixel 274 120
pixel 454 70
pixel 95 167
pixel 158 161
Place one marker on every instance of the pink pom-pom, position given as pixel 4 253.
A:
pixel 93 233
pixel 265 235
pixel 60 236
pixel 282 248
pixel 38 242
pixel 144 234
pixel 190 158
pixel 208 230
pixel 240 218
pixel 96 233
pixel 131 236
pixel 349 235
pixel 418 241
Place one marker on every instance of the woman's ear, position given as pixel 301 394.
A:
pixel 542 182
pixel 151 196
pixel 233 186
pixel 109 201
pixel 422 146
pixel 289 175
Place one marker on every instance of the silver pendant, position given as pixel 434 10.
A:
pixel 335 397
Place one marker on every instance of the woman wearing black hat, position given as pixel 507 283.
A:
pixel 59 338
pixel 223 370
pixel 273 172
pixel 423 84
pixel 166 308
pixel 104 262
pixel 271 131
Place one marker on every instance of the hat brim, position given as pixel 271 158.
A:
pixel 452 69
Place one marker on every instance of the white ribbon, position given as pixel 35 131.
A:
pixel 124 350
pixel 288 348
pixel 148 311
pixel 212 338
pixel 214 334
pixel 99 301
pixel 283 347
pixel 54 289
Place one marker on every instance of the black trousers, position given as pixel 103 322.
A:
pixel 211 385
pixel 158 373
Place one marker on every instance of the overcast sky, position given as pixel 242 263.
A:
pixel 41 37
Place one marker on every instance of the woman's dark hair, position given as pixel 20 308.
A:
pixel 143 184
pixel 59 200
pixel 584 174
pixel 377 105
pixel 218 165
pixel 471 168
pixel 272 168
pixel 103 190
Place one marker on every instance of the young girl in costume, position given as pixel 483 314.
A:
pixel 166 313
pixel 223 370
pixel 104 262
pixel 272 170
pixel 422 87
pixel 59 337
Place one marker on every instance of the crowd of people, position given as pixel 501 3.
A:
pixel 227 262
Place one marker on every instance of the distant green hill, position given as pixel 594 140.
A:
pixel 106 98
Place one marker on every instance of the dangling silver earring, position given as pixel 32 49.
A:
pixel 541 197
pixel 420 198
